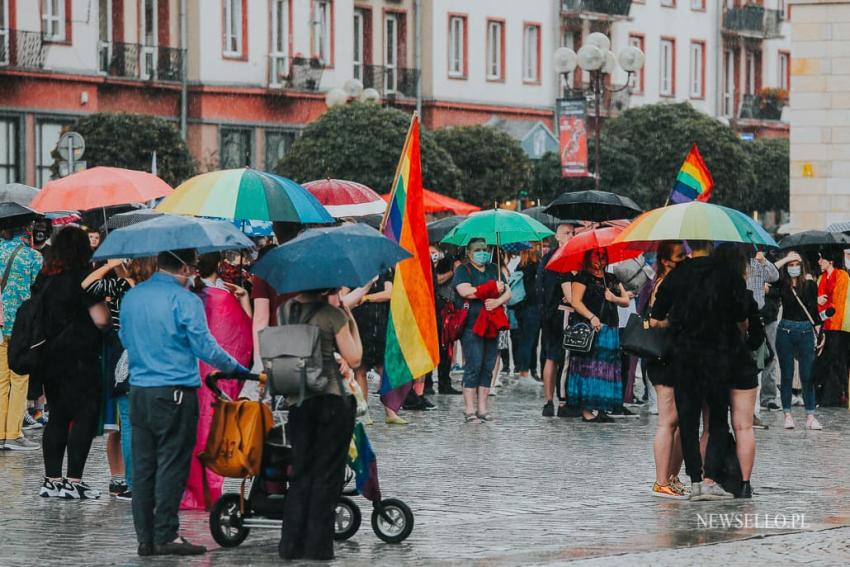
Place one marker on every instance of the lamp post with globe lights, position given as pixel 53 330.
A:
pixel 597 59
pixel 351 90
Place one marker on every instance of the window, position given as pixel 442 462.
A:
pixel 568 39
pixel 750 85
pixel 104 35
pixel 698 5
pixel 667 86
pixel 697 82
pixel 278 143
pixel 280 42
pixel 149 26
pixel 729 82
pixel 784 79
pixel 495 50
pixel 8 150
pixel 359 37
pixel 47 136
pixel 53 20
pixel 637 79
pixel 531 53
pixel 237 148
pixel 4 32
pixel 457 46
pixel 668 3
pixel 233 28
pixel 321 25
pixel 390 53
pixel 782 6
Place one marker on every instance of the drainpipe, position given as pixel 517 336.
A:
pixel 417 55
pixel 720 76
pixel 184 56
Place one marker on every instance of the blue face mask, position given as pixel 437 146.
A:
pixel 481 257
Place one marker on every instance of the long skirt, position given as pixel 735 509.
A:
pixel 594 380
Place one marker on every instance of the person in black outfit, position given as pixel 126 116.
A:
pixel 443 269
pixel 703 300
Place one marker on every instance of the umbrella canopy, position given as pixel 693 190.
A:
pixel 99 187
pixel 13 215
pixel 245 194
pixel 596 206
pixel 17 193
pixel 838 227
pixel 130 218
pixel 497 227
pixel 348 255
pixel 571 257
pixel 371 220
pixel 815 239
pixel 437 203
pixel 547 220
pixel 438 229
pixel 695 221
pixel 255 228
pixel 171 232
pixel 346 198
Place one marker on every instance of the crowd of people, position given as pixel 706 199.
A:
pixel 140 327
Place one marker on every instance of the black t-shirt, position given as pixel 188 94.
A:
pixel 808 294
pixel 594 296
pixel 372 318
pixel 444 292
pixel 550 295
pixel 529 281
pixel 70 330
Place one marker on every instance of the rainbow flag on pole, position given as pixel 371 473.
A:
pixel 362 461
pixel 412 349
pixel 694 182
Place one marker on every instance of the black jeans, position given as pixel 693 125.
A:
pixel 72 427
pixel 320 431
pixel 165 426
pixel 831 369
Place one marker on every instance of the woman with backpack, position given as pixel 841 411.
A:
pixel 319 429
pixel 73 321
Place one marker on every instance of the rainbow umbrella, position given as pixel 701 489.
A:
pixel 695 221
pixel 245 194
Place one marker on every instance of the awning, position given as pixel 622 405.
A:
pixel 436 203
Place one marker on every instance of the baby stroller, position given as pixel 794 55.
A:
pixel 234 515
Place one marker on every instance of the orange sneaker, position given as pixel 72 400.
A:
pixel 667 491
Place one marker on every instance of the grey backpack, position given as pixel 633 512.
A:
pixel 292 351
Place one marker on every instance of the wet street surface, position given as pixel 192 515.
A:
pixel 522 490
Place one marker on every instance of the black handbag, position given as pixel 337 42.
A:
pixel 579 337
pixel 641 340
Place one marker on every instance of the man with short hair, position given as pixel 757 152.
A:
pixel 164 329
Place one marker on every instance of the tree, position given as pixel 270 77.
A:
pixel 362 142
pixel 659 137
pixel 493 165
pixel 769 158
pixel 129 140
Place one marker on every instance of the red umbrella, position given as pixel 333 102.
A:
pixel 346 198
pixel 571 257
pixel 99 187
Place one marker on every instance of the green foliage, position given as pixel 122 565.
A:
pixel 770 158
pixel 493 165
pixel 129 140
pixel 362 142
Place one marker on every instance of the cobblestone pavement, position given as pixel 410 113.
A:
pixel 523 490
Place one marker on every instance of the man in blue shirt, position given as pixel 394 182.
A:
pixel 164 329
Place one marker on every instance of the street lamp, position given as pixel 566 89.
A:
pixel 597 59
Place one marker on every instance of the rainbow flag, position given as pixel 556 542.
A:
pixel 694 182
pixel 362 461
pixel 412 349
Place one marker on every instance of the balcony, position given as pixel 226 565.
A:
pixel 390 82
pixel 762 107
pixel 144 62
pixel 602 9
pixel 298 73
pixel 21 49
pixel 752 21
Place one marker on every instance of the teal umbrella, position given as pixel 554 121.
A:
pixel 497 227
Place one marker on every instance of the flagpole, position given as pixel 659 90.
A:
pixel 407 140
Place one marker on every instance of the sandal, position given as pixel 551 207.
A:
pixel 485 417
pixel 470 418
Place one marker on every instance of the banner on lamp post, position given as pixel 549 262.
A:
pixel 572 135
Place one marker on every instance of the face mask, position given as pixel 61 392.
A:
pixel 481 257
pixel 435 257
pixel 795 271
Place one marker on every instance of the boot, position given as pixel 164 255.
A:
pixel 445 387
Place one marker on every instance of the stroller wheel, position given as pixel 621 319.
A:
pixel 226 521
pixel 392 520
pixel 346 518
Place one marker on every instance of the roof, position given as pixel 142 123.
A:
pixel 534 137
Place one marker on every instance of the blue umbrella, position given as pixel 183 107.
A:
pixel 254 228
pixel 327 258
pixel 171 232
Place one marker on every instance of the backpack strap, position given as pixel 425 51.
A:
pixel 8 269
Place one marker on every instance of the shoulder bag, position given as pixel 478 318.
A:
pixel 579 337
pixel 819 336
pixel 643 341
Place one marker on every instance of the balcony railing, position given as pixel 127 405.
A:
pixel 145 62
pixel 303 74
pixel 756 107
pixel 753 21
pixel 612 8
pixel 21 49
pixel 391 81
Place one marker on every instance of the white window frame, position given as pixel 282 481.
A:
pixel 390 53
pixel 53 23
pixel 9 155
pixel 43 159
pixel 751 73
pixel 728 82
pixel 148 52
pixel 279 56
pixel 698 5
pixel 667 64
pixel 104 46
pixel 784 64
pixel 697 53
pixel 322 31
pixel 495 31
pixel 359 44
pixel 457 47
pixel 637 79
pixel 233 28
pixel 530 46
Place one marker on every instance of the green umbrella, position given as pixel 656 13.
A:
pixel 497 227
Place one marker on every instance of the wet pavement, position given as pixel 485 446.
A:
pixel 523 490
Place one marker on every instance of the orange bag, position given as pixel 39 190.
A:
pixel 235 443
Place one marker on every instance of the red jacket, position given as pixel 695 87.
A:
pixel 489 323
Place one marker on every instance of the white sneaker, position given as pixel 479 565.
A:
pixel 705 491
pixel 789 421
pixel 813 423
pixel 78 491
pixel 22 444
pixel 653 409
pixel 50 489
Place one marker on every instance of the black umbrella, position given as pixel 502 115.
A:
pixel 130 218
pixel 815 239
pixel 438 229
pixel 547 220
pixel 13 215
pixel 595 206
pixel 371 220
